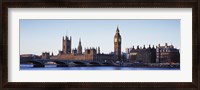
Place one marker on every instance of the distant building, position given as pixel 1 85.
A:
pixel 29 57
pixel 127 52
pixel 142 55
pixel 124 57
pixel 45 55
pixel 160 54
pixel 167 54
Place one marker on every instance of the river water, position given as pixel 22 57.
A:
pixel 53 67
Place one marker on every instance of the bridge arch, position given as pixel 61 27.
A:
pixel 78 63
pixel 58 63
pixel 94 63
pixel 107 64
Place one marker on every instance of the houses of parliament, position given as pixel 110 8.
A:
pixel 67 53
pixel 158 54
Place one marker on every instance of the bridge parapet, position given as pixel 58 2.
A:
pixel 65 63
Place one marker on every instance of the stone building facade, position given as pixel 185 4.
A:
pixel 29 57
pixel 67 45
pixel 160 54
pixel 142 55
pixel 167 54
pixel 45 55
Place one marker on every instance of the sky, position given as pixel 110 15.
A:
pixel 37 36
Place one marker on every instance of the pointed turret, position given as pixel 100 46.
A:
pixel 138 47
pixel 99 50
pixel 79 41
pixel 133 48
pixel 66 38
pixel 117 31
pixel 144 47
pixel 153 47
pixel 79 47
pixel 149 46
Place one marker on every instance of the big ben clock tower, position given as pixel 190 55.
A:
pixel 117 45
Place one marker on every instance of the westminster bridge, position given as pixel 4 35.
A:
pixel 63 63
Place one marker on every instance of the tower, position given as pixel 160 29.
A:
pixel 98 50
pixel 79 47
pixel 66 45
pixel 117 45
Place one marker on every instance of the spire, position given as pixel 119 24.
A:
pixel 117 31
pixel 79 41
pixel 79 47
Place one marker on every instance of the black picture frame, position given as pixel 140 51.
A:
pixel 194 4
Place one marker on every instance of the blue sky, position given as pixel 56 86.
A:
pixel 37 36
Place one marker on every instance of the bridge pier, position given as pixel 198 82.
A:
pixel 61 65
pixel 107 64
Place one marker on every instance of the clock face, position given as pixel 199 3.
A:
pixel 115 39
pixel 119 40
